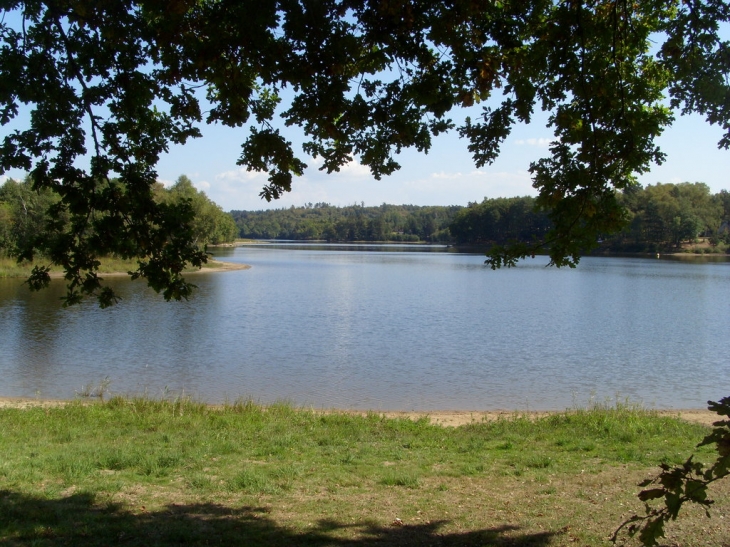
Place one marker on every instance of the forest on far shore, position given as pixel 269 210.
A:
pixel 660 217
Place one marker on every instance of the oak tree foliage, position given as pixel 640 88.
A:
pixel 92 93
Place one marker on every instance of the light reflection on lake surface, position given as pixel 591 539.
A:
pixel 388 328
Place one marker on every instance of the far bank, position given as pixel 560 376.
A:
pixel 9 268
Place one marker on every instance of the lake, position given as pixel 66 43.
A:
pixel 388 328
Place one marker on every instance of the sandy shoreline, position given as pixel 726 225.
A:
pixel 448 418
pixel 455 418
pixel 217 266
pixel 220 266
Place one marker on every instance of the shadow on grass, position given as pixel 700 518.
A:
pixel 77 520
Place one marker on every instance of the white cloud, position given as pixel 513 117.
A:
pixel 460 188
pixel 240 175
pixel 239 189
pixel 352 169
pixel 355 169
pixel 447 176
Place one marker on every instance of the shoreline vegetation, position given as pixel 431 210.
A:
pixel 664 218
pixel 445 418
pixel 9 268
pixel 140 471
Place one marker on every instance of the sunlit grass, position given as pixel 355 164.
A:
pixel 9 267
pixel 305 467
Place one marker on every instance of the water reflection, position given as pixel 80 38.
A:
pixel 388 330
pixel 358 247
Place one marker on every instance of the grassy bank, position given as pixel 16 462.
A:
pixel 142 472
pixel 10 268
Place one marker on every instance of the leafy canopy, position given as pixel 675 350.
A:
pixel 109 85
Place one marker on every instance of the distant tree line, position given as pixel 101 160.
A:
pixel 323 221
pixel 25 216
pixel 658 217
pixel 500 221
pixel 663 216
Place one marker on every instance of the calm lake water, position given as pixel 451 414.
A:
pixel 388 328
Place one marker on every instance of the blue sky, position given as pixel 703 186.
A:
pixel 444 176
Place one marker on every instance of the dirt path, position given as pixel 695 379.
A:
pixel 457 418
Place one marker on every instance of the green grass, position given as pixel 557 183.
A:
pixel 10 268
pixel 151 472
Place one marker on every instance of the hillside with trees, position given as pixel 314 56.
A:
pixel 499 221
pixel 29 217
pixel 661 217
pixel 323 221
